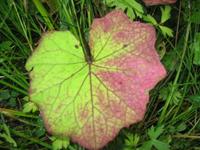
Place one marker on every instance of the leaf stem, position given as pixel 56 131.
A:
pixel 44 13
pixel 86 48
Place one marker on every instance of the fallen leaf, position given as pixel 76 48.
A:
pixel 91 101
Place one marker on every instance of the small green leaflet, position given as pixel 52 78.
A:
pixel 90 102
pixel 154 134
pixel 165 14
pixel 150 19
pixel 166 31
pixel 133 8
pixel 59 143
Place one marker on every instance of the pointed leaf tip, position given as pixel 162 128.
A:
pixel 91 102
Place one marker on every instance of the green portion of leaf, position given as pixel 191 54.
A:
pixel 58 78
pixel 150 19
pixel 160 145
pixel 154 133
pixel 147 146
pixel 166 31
pixel 134 9
pixel 131 140
pixel 59 144
pixel 165 14
pixel 176 97
pixel 30 107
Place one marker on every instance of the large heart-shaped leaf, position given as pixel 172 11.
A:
pixel 158 2
pixel 91 101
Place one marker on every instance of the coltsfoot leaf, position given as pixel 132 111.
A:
pixel 91 101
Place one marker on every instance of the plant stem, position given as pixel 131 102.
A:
pixel 44 13
pixel 163 113
pixel 23 26
pixel 11 112
pixel 187 136
pixel 13 87
pixel 86 48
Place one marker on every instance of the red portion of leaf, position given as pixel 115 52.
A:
pixel 138 69
pixel 141 67
pixel 158 2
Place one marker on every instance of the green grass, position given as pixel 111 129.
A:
pixel 172 119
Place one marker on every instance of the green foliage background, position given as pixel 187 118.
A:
pixel 172 120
